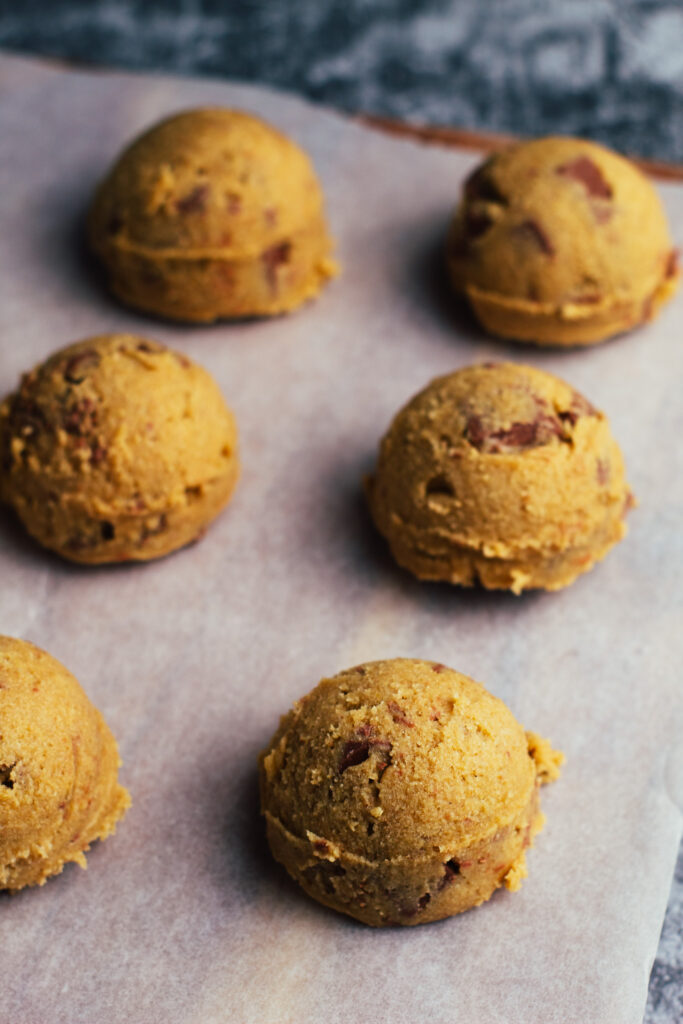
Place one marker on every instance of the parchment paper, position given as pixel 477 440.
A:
pixel 182 916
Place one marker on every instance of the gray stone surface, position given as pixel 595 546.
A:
pixel 606 69
pixel 665 996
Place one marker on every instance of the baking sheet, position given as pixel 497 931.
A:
pixel 182 917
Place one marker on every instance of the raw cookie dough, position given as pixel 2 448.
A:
pixel 212 213
pixel 401 792
pixel 117 449
pixel 59 789
pixel 560 241
pixel 499 474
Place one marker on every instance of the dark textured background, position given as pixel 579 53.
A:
pixel 608 69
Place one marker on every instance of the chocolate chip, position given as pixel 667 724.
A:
pixel 151 347
pixel 588 174
pixel 6 779
pixel 195 201
pixel 579 406
pixel 77 366
pixel 474 431
pixel 671 268
pixel 234 203
pixel 26 417
pixel 98 453
pixel 481 186
pixel 358 750
pixel 531 230
pixel 81 418
pixel 274 258
pixel 438 667
pixel 519 435
pixel 398 715
pixel 568 416
pixel 355 752
pixel 602 472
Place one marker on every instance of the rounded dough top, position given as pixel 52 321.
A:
pixel 58 767
pixel 412 742
pixel 118 416
pixel 560 221
pixel 206 182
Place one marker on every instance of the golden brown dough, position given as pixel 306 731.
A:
pixel 500 474
pixel 209 214
pixel 59 789
pixel 117 449
pixel 401 792
pixel 560 241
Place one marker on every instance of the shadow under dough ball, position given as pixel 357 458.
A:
pixel 117 449
pixel 59 789
pixel 560 241
pixel 212 214
pixel 402 792
pixel 499 474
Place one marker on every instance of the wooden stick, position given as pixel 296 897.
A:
pixel 487 141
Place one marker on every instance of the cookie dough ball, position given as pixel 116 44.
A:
pixel 210 214
pixel 499 474
pixel 562 242
pixel 117 449
pixel 59 789
pixel 401 792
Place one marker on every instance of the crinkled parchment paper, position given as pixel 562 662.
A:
pixel 182 916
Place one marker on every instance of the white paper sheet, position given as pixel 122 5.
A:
pixel 182 917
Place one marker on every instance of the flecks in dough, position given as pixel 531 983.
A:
pixel 499 474
pixel 560 241
pixel 115 449
pixel 59 789
pixel 401 792
pixel 212 214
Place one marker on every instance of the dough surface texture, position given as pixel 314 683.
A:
pixel 560 241
pixel 59 788
pixel 401 792
pixel 212 214
pixel 117 449
pixel 499 474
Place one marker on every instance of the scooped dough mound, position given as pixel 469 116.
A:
pixel 560 241
pixel 401 792
pixel 59 789
pixel 210 214
pixel 499 474
pixel 117 449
